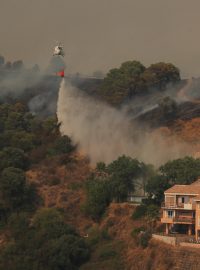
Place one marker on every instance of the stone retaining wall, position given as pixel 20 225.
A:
pixel 175 241
pixel 166 239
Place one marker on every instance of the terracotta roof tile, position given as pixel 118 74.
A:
pixel 197 182
pixel 185 189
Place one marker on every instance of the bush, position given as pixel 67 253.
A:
pixel 152 212
pixel 144 239
pixel 107 254
pixel 94 236
pixel 136 231
pixel 49 243
pixel 13 157
pixel 62 145
pixel 139 212
pixel 98 198
pixel 15 192
pixel 105 235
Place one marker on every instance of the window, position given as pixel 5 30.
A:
pixel 170 213
pixel 182 199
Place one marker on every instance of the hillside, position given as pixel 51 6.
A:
pixel 116 248
pixel 59 209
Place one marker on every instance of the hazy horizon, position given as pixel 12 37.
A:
pixel 99 35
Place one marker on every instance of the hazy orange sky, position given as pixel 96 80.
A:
pixel 101 34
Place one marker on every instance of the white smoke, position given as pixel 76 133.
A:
pixel 15 83
pixel 105 133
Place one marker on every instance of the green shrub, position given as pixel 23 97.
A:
pixel 152 212
pixel 13 157
pixel 139 212
pixel 94 236
pixel 105 235
pixel 107 254
pixel 62 145
pixel 45 241
pixel 136 231
pixel 98 198
pixel 144 239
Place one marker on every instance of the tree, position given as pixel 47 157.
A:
pixel 161 74
pixel 59 244
pixel 111 182
pixel 45 242
pixel 121 83
pixel 18 65
pixel 98 197
pixel 50 126
pixel 152 214
pixel 124 172
pixel 66 252
pixel 132 79
pixel 23 140
pixel 132 68
pixel 181 171
pixel 20 108
pixel 62 145
pixel 13 157
pixel 156 187
pixel 12 188
pixel 101 167
pixel 15 120
pixel 168 107
pixel 147 171
pixel 18 224
pixel 50 223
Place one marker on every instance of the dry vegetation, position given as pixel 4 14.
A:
pixel 61 186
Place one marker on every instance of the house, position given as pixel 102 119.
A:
pixel 135 198
pixel 139 194
pixel 181 209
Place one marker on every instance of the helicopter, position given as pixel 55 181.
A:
pixel 58 50
pixel 58 62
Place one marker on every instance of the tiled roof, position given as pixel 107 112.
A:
pixel 197 182
pixel 185 189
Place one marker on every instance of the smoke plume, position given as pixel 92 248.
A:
pixel 105 133
pixel 15 83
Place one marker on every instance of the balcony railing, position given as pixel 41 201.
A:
pixel 169 205
pixel 186 206
pixel 184 219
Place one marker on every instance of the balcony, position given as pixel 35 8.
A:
pixel 185 206
pixel 184 220
pixel 167 220
pixel 178 220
